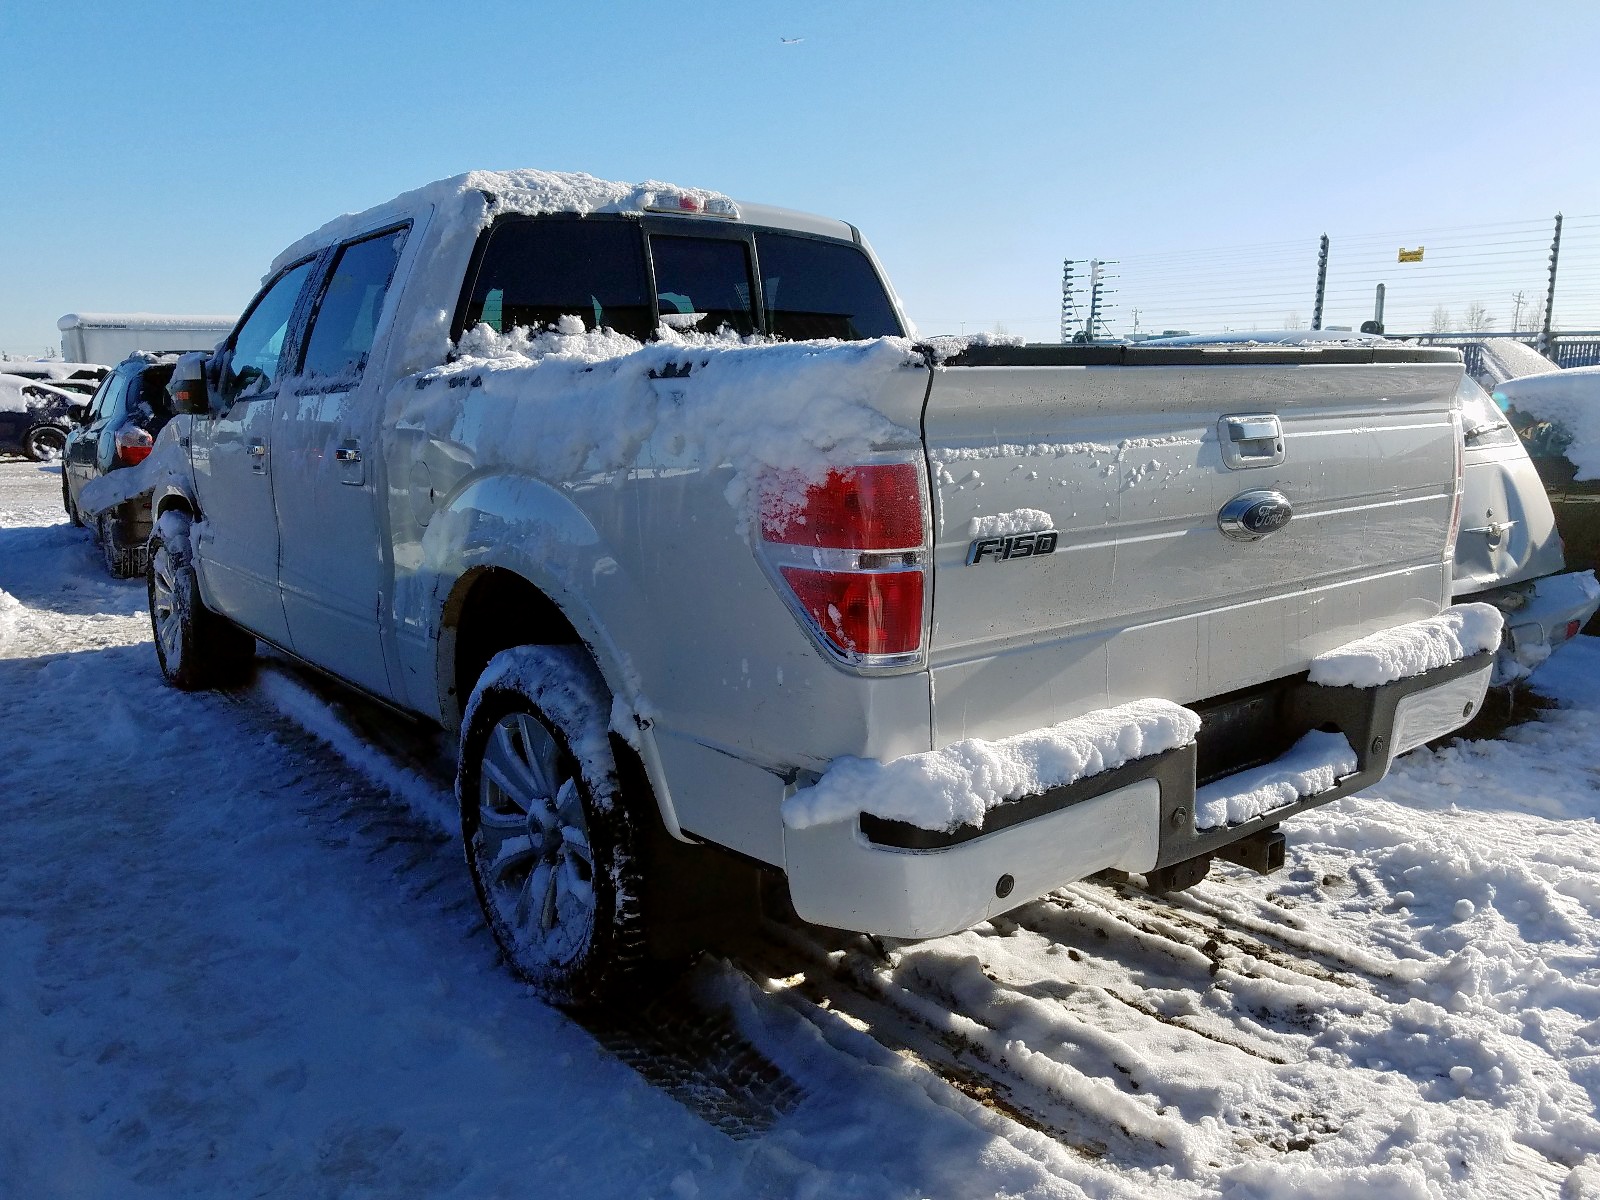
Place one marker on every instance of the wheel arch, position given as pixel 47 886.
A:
pixel 492 607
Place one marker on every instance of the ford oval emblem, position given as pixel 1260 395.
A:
pixel 1253 515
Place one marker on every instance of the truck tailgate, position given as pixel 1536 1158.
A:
pixel 1143 594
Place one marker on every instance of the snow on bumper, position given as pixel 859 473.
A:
pixel 859 870
pixel 1550 611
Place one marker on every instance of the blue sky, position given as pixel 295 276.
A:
pixel 159 155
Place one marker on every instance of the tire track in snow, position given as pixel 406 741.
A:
pixel 679 1041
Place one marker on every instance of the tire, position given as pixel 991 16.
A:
pixel 553 846
pixel 122 560
pixel 45 443
pixel 73 514
pixel 195 647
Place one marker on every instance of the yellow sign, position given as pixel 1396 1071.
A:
pixel 1411 255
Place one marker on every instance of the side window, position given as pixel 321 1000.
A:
pixel 703 283
pixel 99 400
pixel 535 271
pixel 816 289
pixel 153 389
pixel 253 360
pixel 109 401
pixel 352 301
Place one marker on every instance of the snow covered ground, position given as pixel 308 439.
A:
pixel 239 956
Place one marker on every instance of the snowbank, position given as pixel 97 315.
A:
pixel 1312 766
pixel 1570 399
pixel 958 785
pixel 1407 650
pixel 566 403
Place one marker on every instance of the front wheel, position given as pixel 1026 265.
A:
pixel 196 647
pixel 45 443
pixel 552 846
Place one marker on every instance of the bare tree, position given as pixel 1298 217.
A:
pixel 1294 321
pixel 1441 319
pixel 1478 319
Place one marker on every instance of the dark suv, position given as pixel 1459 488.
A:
pixel 119 430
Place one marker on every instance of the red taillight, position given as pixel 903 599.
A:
pixel 877 612
pixel 851 550
pixel 1572 629
pixel 876 507
pixel 133 445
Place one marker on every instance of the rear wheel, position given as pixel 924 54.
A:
pixel 45 443
pixel 554 849
pixel 196 647
pixel 123 560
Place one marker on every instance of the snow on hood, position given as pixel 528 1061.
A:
pixel 477 197
pixel 567 403
pixel 1571 400
pixel 1507 358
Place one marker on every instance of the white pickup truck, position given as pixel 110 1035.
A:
pixel 652 498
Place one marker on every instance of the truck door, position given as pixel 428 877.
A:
pixel 332 558
pixel 231 448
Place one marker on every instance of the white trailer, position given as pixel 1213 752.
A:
pixel 111 337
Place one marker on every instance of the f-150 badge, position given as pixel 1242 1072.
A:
pixel 1255 514
pixel 1018 545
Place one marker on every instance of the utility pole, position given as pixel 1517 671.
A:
pixel 1545 348
pixel 1518 299
pixel 1322 283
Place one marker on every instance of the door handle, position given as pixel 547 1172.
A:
pixel 347 454
pixel 258 450
pixel 1251 440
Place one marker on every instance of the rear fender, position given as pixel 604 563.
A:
pixel 519 524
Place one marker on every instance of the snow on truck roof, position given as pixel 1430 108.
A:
pixel 468 202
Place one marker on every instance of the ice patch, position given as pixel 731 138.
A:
pixel 1406 650
pixel 1310 767
pixel 940 789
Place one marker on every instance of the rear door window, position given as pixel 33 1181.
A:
pixel 346 317
pixel 535 271
pixel 703 284
pixel 818 289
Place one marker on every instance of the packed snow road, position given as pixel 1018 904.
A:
pixel 239 956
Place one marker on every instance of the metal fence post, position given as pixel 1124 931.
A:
pixel 1322 283
pixel 1546 347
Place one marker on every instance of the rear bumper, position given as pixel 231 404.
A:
pixel 889 878
pixel 1540 616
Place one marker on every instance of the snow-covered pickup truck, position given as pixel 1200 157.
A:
pixel 651 497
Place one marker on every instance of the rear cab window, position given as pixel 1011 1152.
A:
pixel 611 272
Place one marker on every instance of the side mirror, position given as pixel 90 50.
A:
pixel 188 386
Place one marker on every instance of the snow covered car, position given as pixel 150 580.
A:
pixel 117 432
pixel 651 498
pixel 1509 552
pixel 54 371
pixel 35 417
pixel 1557 415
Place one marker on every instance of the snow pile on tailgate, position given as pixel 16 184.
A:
pixel 941 789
